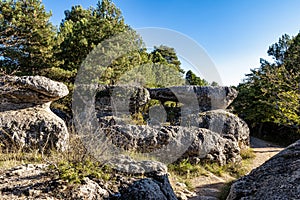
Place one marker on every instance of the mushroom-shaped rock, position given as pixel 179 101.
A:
pixel 28 91
pixel 26 121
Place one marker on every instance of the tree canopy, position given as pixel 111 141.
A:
pixel 271 93
pixel 26 37
pixel 192 79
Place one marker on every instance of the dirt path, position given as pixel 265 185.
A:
pixel 209 187
pixel 263 151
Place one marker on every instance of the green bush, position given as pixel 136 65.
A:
pixel 74 172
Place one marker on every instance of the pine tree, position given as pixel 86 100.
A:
pixel 166 55
pixel 192 79
pixel 271 93
pixel 26 37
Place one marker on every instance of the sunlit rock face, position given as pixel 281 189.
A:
pixel 26 121
pixel 207 97
pixel 277 178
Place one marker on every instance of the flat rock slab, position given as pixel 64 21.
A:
pixel 207 97
pixel 170 143
pixel 28 91
pixel 120 100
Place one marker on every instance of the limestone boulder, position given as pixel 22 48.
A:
pixel 28 91
pixel 210 146
pixel 156 188
pixel 225 123
pixel 207 97
pixel 170 143
pixel 155 185
pixel 277 178
pixel 26 121
pixel 33 128
pixel 119 100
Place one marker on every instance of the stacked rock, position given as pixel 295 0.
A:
pixel 26 121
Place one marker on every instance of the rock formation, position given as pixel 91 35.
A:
pixel 156 185
pixel 28 91
pixel 26 121
pixel 157 188
pixel 208 97
pixel 120 100
pixel 168 144
pixel 225 123
pixel 278 178
pixel 38 181
pixel 190 138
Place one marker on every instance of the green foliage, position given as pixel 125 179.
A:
pixel 152 75
pixel 192 79
pixel 27 37
pixel 166 55
pixel 186 169
pixel 83 29
pixel 214 83
pixel 271 94
pixel 233 169
pixel 75 172
pixel 247 153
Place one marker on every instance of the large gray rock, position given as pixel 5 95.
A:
pixel 33 128
pixel 225 124
pixel 26 121
pixel 168 144
pixel 277 178
pixel 210 146
pixel 208 97
pixel 156 188
pixel 28 91
pixel 120 100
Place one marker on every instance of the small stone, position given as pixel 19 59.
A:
pixel 180 184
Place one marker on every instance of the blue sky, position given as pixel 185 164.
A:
pixel 234 33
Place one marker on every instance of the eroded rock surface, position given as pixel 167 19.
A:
pixel 208 97
pixel 38 181
pixel 126 164
pixel 120 100
pixel 28 91
pixel 225 123
pixel 156 188
pixel 277 178
pixel 26 121
pixel 33 128
pixel 171 143
pixel 156 185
